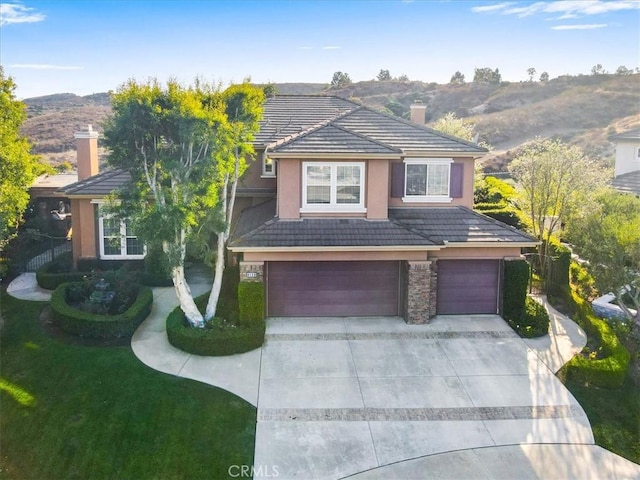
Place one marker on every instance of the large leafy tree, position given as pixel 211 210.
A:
pixel 451 124
pixel 553 180
pixel 608 236
pixel 18 168
pixel 340 79
pixel 185 148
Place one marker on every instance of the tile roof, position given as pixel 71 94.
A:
pixel 288 127
pixel 333 139
pixel 456 224
pixel 630 135
pixel 101 184
pixel 286 115
pixel 627 182
pixel 258 227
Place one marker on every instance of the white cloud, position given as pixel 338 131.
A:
pixel 44 66
pixel 566 8
pixel 491 8
pixel 331 47
pixel 17 13
pixel 305 47
pixel 589 26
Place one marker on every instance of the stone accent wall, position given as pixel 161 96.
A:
pixel 251 271
pixel 419 295
pixel 433 291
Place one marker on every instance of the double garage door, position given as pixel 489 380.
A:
pixel 374 288
pixel 332 288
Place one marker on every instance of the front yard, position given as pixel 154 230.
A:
pixel 71 411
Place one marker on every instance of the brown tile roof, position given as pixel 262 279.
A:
pixel 288 127
pixel 98 185
pixel 627 182
pixel 456 224
pixel 258 227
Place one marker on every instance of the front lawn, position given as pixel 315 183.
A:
pixel 614 415
pixel 79 412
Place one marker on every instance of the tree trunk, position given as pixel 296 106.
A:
pixel 187 304
pixel 212 304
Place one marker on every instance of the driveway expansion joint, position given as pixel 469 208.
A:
pixel 532 412
pixel 389 335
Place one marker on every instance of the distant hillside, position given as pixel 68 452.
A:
pixel 583 110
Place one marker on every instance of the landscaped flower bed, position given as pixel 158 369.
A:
pixel 219 337
pixel 105 306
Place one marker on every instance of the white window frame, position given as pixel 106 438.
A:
pixel 428 162
pixel 265 161
pixel 123 243
pixel 333 206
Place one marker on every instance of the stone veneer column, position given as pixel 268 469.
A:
pixel 251 271
pixel 419 294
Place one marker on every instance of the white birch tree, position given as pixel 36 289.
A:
pixel 173 141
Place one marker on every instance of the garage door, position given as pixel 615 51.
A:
pixel 332 288
pixel 468 286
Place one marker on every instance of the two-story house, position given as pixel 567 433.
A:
pixel 347 212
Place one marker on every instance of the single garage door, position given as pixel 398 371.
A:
pixel 468 286
pixel 332 288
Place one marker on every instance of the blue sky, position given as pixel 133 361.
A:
pixel 86 47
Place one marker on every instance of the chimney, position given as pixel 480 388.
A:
pixel 87 152
pixel 418 112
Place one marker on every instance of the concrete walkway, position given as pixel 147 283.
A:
pixel 502 442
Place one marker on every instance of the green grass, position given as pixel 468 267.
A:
pixel 78 412
pixel 614 415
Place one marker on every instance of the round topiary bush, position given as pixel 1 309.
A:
pixel 219 337
pixel 85 324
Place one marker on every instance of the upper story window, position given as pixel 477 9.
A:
pixel 268 166
pixel 333 187
pixel 427 180
pixel 118 241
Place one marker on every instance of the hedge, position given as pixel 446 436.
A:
pixel 251 301
pixel 558 275
pixel 218 338
pixel 50 277
pixel 608 372
pixel 516 281
pixel 92 325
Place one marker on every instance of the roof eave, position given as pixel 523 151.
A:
pixel 371 248
pixel 335 155
pixel 448 153
pixel 492 243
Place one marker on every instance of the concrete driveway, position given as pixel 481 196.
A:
pixel 338 396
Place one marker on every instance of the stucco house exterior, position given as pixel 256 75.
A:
pixel 345 212
pixel 627 166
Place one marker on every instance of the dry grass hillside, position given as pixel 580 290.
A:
pixel 583 110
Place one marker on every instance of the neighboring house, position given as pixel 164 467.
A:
pixel 627 167
pixel 346 212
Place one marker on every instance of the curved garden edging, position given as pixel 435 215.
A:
pixel 92 325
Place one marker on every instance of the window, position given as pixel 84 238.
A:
pixel 117 240
pixel 333 186
pixel 268 166
pixel 427 180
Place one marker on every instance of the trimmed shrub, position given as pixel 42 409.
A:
pixel 157 272
pixel 607 372
pixel 533 322
pixel 251 301
pixel 516 280
pixel 219 337
pixel 92 325
pixel 89 264
pixel 558 274
pixel 52 274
